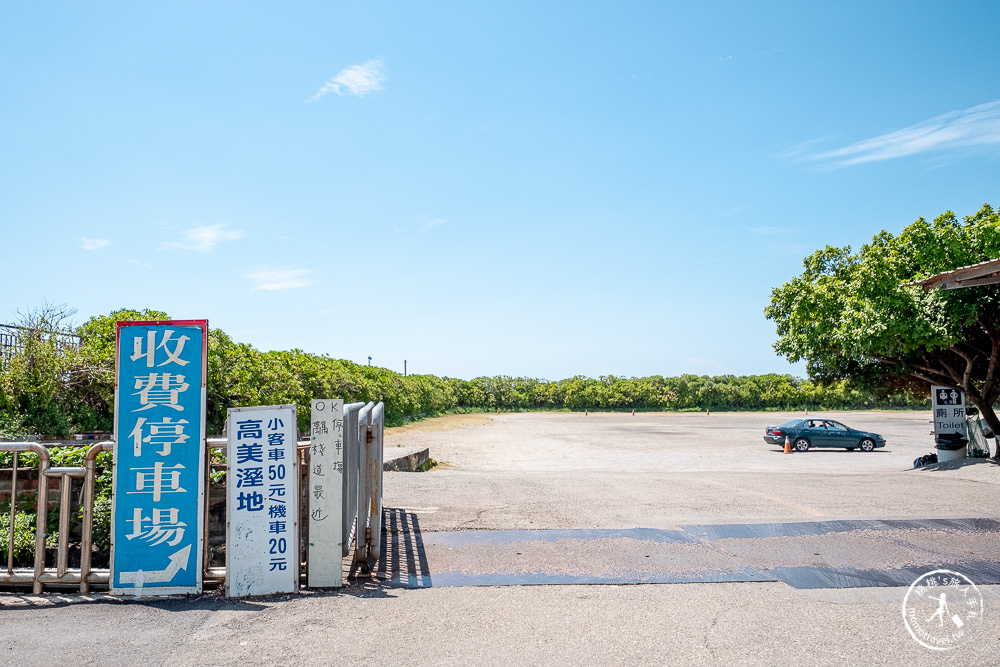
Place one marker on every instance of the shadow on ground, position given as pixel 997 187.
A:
pixel 807 555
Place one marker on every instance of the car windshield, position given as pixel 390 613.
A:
pixel 791 423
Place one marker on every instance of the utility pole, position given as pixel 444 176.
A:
pixel 369 360
pixel 404 367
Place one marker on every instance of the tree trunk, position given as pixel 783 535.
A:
pixel 990 415
pixel 938 370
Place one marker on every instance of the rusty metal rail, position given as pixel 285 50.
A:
pixel 361 496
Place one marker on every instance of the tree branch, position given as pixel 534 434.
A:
pixel 990 391
pixel 933 376
pixel 952 373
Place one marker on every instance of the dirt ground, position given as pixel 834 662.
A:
pixel 660 470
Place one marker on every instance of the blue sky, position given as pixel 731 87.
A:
pixel 522 188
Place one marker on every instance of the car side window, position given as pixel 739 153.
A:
pixel 836 426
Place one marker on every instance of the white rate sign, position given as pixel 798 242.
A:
pixel 262 531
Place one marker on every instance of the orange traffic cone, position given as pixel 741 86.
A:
pixel 708 412
pixel 586 412
pixel 633 413
pixel 788 446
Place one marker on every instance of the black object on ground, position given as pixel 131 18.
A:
pixel 951 441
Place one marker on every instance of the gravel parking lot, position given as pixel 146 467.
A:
pixel 662 470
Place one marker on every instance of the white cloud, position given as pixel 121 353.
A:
pixel 973 127
pixel 204 239
pixel 357 80
pixel 271 280
pixel 431 224
pixel 94 244
pixel 805 149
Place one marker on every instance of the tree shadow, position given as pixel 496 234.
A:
pixel 943 466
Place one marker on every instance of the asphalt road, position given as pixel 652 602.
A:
pixel 568 472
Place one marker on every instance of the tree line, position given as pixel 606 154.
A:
pixel 51 388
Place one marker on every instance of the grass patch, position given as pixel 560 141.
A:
pixel 427 465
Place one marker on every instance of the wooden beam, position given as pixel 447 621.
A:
pixel 992 279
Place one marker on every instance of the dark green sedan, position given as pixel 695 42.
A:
pixel 806 433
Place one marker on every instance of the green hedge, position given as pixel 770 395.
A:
pixel 57 390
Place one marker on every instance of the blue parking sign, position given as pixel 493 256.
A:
pixel 159 471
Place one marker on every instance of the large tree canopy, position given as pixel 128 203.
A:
pixel 850 316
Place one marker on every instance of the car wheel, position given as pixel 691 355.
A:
pixel 801 445
pixel 867 445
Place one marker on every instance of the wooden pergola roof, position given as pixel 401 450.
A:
pixel 984 273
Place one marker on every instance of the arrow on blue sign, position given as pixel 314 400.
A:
pixel 178 561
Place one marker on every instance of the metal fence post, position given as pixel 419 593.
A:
pixel 349 493
pixel 87 538
pixel 42 510
pixel 374 459
pixel 13 510
pixel 361 498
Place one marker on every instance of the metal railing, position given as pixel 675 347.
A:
pixel 364 426
pixel 12 338
pixel 217 575
pixel 40 575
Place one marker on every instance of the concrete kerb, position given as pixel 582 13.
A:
pixel 405 459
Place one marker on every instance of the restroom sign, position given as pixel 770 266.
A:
pixel 948 405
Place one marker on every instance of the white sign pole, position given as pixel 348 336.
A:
pixel 326 484
pixel 262 529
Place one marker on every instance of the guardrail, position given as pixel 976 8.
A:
pixel 364 426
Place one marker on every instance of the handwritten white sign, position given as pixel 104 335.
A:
pixel 326 489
